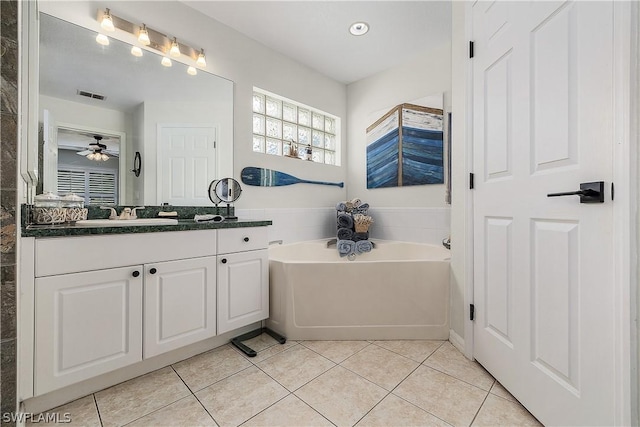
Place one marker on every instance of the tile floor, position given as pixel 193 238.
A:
pixel 309 383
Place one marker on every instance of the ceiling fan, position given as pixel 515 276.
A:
pixel 97 150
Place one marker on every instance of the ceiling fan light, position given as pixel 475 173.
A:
pixel 201 61
pixel 192 71
pixel 175 48
pixel 104 157
pixel 90 156
pixel 166 61
pixel 102 39
pixel 143 36
pixel 107 21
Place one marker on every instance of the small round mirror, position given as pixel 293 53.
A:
pixel 228 190
pixel 212 192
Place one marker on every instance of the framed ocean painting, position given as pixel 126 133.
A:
pixel 405 145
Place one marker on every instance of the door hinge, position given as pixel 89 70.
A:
pixel 471 53
pixel 472 312
pixel 471 181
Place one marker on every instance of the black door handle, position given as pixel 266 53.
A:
pixel 590 192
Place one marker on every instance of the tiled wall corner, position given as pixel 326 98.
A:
pixel 8 202
pixel 419 225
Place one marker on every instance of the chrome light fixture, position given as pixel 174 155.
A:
pixel 201 61
pixel 107 21
pixel 143 36
pixel 175 49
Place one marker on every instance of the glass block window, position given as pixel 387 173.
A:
pixel 283 127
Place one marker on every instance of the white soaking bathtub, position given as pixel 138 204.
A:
pixel 399 290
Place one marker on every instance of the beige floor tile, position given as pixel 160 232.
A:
pixel 393 411
pixel 289 412
pixel 497 411
pixel 417 350
pixel 130 400
pixel 261 342
pixel 449 360
pixel 268 352
pixel 184 412
pixel 81 412
pixel 205 369
pixel 336 351
pixel 341 396
pixel 295 367
pixel 499 390
pixel 448 398
pixel 239 397
pixel 381 366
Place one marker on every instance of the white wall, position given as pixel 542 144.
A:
pixel 427 74
pixel 247 63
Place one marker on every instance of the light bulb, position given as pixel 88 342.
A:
pixel 143 36
pixel 192 71
pixel 175 49
pixel 102 39
pixel 107 21
pixel 136 51
pixel 201 61
pixel 104 157
pixel 166 61
pixel 91 156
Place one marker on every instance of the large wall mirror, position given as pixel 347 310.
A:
pixel 102 100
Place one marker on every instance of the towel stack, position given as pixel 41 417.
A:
pixel 353 227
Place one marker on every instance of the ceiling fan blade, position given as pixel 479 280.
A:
pixel 84 153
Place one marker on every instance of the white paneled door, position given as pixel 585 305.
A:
pixel 543 267
pixel 186 163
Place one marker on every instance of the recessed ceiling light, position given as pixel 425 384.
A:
pixel 359 28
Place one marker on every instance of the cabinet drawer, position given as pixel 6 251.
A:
pixel 60 255
pixel 242 239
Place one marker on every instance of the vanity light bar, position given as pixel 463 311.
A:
pixel 158 41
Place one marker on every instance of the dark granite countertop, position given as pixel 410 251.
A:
pixel 183 225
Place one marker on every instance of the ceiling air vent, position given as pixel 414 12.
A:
pixel 92 95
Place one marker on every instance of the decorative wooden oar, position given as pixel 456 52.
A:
pixel 270 178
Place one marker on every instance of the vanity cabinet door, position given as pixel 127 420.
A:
pixel 86 324
pixel 179 304
pixel 243 289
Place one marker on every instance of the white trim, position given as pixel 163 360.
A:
pixel 623 226
pixel 122 161
pixel 456 340
pixel 468 241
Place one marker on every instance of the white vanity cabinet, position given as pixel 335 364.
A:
pixel 243 277
pixel 86 324
pixel 179 304
pixel 98 307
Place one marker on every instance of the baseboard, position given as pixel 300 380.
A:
pixel 456 340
